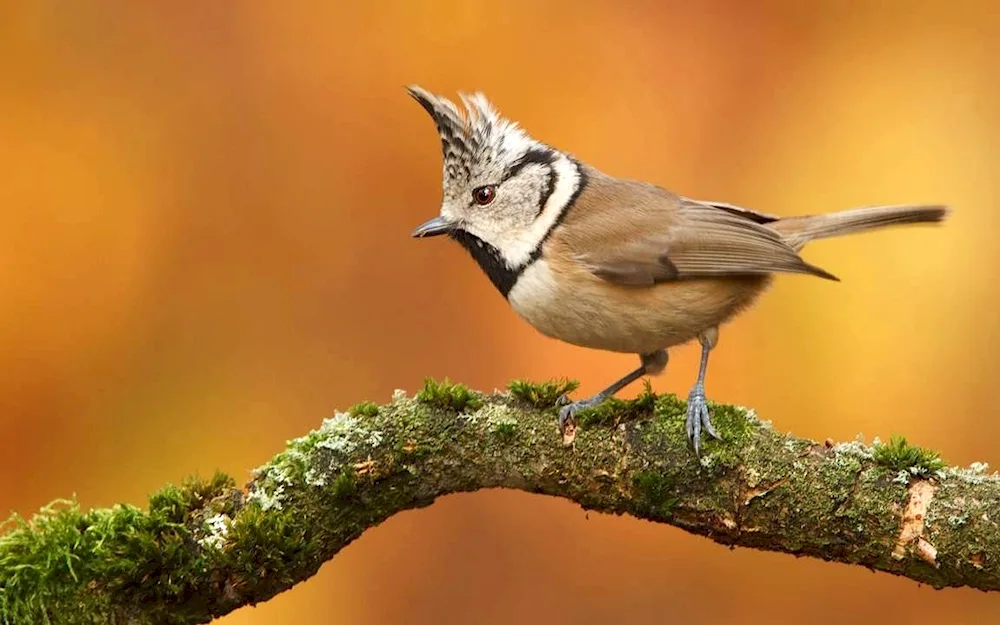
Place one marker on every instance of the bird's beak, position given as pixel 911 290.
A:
pixel 434 227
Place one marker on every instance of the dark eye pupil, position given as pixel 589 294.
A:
pixel 483 195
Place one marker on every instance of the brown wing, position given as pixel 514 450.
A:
pixel 648 235
pixel 752 215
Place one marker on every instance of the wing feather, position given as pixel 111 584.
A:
pixel 674 238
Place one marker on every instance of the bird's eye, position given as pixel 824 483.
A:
pixel 484 195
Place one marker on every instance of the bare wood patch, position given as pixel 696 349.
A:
pixel 921 495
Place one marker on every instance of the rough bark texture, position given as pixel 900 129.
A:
pixel 208 547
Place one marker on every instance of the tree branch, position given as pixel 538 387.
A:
pixel 207 547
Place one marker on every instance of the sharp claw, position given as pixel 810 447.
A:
pixel 697 436
pixel 707 422
pixel 565 416
pixel 568 411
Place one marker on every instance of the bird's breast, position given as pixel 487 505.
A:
pixel 566 302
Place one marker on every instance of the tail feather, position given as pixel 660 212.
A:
pixel 798 231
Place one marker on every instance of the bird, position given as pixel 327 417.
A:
pixel 611 263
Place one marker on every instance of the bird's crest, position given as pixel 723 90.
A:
pixel 473 135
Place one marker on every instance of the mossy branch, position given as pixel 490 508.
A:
pixel 208 547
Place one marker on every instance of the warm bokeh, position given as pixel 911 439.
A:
pixel 205 211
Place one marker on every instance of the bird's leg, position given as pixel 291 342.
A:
pixel 652 364
pixel 697 407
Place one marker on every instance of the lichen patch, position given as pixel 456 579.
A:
pixel 974 474
pixel 266 500
pixel 217 527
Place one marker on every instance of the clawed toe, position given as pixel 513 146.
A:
pixel 698 419
pixel 706 423
pixel 569 410
pixel 566 414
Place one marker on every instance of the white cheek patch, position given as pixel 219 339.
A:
pixel 519 247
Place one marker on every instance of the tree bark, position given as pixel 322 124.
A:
pixel 207 547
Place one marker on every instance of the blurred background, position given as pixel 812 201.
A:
pixel 205 212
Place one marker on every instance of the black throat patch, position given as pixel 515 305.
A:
pixel 489 260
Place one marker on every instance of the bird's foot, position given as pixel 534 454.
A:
pixel 569 409
pixel 698 417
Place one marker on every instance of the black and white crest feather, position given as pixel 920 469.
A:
pixel 476 135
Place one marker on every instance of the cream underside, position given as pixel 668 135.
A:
pixel 570 304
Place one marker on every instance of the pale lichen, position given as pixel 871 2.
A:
pixel 341 435
pixel 259 495
pixel 216 528
pixel 708 460
pixel 855 450
pixel 751 415
pixel 957 520
pixel 974 474
pixel 315 478
pixel 493 414
pixel 313 458
pixel 338 433
pixel 472 418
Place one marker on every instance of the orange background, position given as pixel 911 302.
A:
pixel 204 250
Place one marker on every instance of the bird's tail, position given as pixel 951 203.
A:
pixel 798 231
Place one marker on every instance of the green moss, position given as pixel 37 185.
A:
pixel 306 443
pixel 174 503
pixel 344 485
pixel 613 410
pixel 542 395
pixel 43 561
pixel 670 408
pixel 274 544
pixel 364 409
pixel 653 491
pixel 733 423
pixel 505 429
pixel 448 396
pixel 899 455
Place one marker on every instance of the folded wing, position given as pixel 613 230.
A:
pixel 685 239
